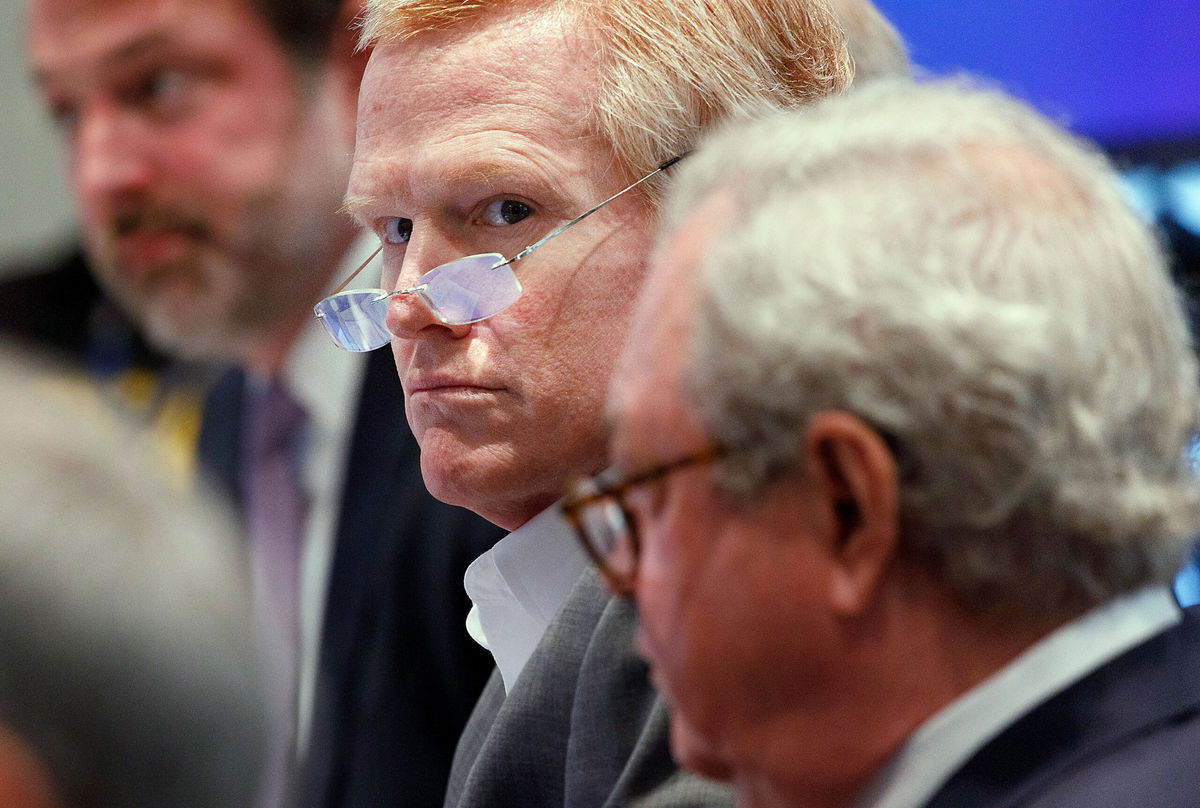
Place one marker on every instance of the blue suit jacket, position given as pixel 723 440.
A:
pixel 1126 736
pixel 398 673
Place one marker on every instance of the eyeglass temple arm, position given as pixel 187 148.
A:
pixel 539 242
pixel 585 214
pixel 354 274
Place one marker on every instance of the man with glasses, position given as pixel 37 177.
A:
pixel 900 466
pixel 486 133
pixel 209 144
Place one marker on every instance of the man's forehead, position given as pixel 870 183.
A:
pixel 648 415
pixel 503 52
pixel 66 33
pixel 442 110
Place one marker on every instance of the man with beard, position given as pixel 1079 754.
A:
pixel 209 144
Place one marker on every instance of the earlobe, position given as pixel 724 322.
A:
pixel 855 475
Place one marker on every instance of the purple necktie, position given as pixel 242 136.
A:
pixel 276 509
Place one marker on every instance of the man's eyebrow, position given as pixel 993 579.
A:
pixel 136 48
pixel 482 173
pixel 353 204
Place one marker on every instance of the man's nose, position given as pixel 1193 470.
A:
pixel 110 156
pixel 409 315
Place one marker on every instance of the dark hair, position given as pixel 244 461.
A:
pixel 305 28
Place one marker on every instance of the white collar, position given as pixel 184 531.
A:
pixel 947 740
pixel 518 586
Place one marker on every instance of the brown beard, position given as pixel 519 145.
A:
pixel 133 220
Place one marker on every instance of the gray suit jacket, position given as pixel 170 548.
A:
pixel 582 727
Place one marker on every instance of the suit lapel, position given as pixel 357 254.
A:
pixel 1135 693
pixel 474 735
pixel 381 448
pixel 517 745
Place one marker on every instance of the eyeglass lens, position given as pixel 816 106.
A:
pixel 610 533
pixel 356 320
pixel 463 291
pixel 470 289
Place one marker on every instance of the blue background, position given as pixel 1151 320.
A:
pixel 1118 71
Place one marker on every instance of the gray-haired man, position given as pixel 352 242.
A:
pixel 900 462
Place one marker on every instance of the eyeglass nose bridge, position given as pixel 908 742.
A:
pixel 420 291
pixel 456 293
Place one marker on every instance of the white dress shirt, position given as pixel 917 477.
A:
pixel 518 586
pixel 951 736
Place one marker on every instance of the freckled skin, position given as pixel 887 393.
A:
pixel 507 410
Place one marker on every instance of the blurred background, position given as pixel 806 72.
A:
pixel 35 210
pixel 1123 72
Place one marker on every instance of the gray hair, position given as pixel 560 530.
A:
pixel 967 278
pixel 129 665
pixel 875 46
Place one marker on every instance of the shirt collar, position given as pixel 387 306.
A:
pixel 951 736
pixel 518 586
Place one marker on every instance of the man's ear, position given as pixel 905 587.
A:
pixel 854 474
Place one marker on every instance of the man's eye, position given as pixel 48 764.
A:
pixel 64 116
pixel 165 92
pixel 504 212
pixel 397 230
pixel 647 500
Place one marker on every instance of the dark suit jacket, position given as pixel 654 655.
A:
pixel 57 305
pixel 1126 736
pixel 398 673
pixel 582 727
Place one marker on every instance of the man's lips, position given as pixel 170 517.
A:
pixel 145 249
pixel 447 385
